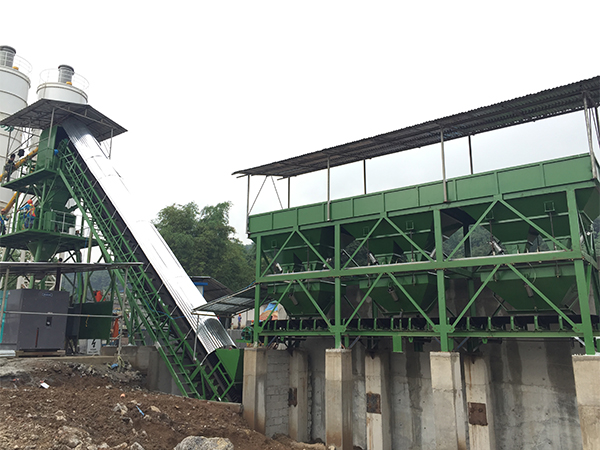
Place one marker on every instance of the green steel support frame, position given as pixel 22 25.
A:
pixel 53 181
pixel 514 247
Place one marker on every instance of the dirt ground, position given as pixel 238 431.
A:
pixel 92 407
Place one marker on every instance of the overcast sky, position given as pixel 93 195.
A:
pixel 208 88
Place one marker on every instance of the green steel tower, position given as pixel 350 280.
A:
pixel 64 204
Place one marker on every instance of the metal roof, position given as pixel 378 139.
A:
pixel 45 112
pixel 529 108
pixel 213 289
pixel 232 304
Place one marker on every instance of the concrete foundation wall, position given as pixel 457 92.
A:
pixel 412 401
pixel 277 392
pixel 533 391
pixel 532 397
pixel 586 368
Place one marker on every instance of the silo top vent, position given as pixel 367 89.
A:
pixel 7 55
pixel 65 74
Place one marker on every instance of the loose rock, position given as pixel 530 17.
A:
pixel 202 443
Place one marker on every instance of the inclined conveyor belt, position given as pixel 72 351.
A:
pixel 211 333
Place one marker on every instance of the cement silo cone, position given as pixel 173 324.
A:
pixel 421 287
pixel 387 245
pixel 296 255
pixel 549 212
pixel 297 302
pixel 556 282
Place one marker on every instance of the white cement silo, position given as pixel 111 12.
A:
pixel 14 88
pixel 63 84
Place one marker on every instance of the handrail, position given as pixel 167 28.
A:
pixel 52 76
pixel 18 63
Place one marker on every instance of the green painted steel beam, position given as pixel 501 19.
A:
pixel 463 263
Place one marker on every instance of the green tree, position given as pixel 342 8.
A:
pixel 204 243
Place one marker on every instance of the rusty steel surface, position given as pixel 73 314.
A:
pixel 477 414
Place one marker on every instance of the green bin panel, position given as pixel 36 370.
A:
pixel 401 199
pixel 567 171
pixel 96 327
pixel 233 362
pixel 311 214
pixel 520 179
pixel 476 186
pixel 284 219
pixel 368 204
pixel 260 222
pixel 431 194
pixel 342 209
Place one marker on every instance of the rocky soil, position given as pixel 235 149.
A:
pixel 49 404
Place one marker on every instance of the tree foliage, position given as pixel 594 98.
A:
pixel 204 242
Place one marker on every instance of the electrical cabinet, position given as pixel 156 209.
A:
pixel 35 320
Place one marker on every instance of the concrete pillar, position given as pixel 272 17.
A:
pixel 448 400
pixel 298 397
pixel 338 398
pixel 479 405
pixel 254 393
pixel 586 369
pixel 379 413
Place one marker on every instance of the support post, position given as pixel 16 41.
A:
pixel 379 412
pixel 120 325
pixel 254 391
pixel 338 398
pixel 588 126
pixel 248 206
pixel 443 326
pixel 298 396
pixel 586 369
pixel 255 325
pixel 470 155
pixel 338 327
pixel 448 401
pixel 583 287
pixel 328 190
pixel 3 302
pixel 443 167
pixel 479 407
pixel 365 176
pixel 110 143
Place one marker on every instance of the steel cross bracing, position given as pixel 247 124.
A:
pixel 538 275
pixel 156 319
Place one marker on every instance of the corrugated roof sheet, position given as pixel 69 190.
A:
pixel 213 289
pixel 45 112
pixel 232 304
pixel 542 105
